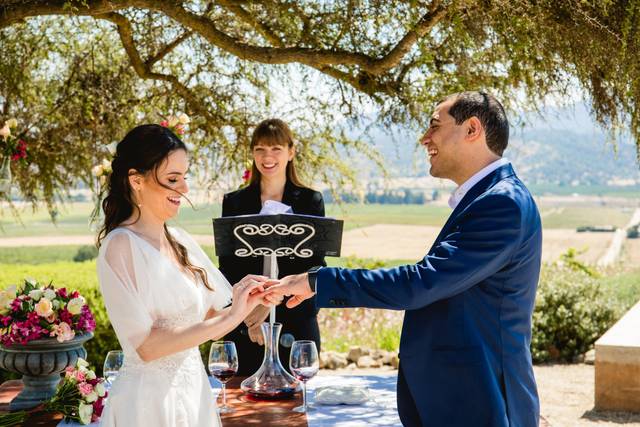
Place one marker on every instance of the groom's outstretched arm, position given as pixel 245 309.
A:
pixel 482 243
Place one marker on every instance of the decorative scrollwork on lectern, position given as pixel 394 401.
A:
pixel 269 229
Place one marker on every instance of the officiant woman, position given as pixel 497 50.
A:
pixel 273 177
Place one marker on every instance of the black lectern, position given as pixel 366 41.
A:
pixel 278 235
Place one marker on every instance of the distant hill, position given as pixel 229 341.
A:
pixel 562 149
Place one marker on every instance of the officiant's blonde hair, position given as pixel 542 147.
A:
pixel 274 132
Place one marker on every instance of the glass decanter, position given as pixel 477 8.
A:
pixel 271 381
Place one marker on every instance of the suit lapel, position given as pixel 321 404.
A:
pixel 483 185
pixel 251 199
pixel 291 194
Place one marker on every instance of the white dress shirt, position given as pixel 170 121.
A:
pixel 459 193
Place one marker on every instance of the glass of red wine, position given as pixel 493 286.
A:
pixel 304 365
pixel 223 364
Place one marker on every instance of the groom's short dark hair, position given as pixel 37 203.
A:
pixel 490 113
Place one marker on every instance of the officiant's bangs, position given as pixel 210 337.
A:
pixel 272 132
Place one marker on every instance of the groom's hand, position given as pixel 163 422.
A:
pixel 296 285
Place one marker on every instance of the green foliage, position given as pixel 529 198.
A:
pixel 571 313
pixel 388 338
pixel 85 253
pixel 366 263
pixel 569 259
pixel 325 67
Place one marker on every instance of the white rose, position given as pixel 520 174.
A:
pixel 56 304
pixel 49 294
pixel 85 412
pixel 12 123
pixel 44 308
pixel 36 294
pixel 173 121
pixel 184 119
pixel 99 388
pixel 75 305
pixel 5 132
pixel 91 397
pixel 81 363
pixel 97 170
pixel 90 375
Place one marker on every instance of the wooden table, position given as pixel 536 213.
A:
pixel 248 412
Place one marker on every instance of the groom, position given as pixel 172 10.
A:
pixel 464 351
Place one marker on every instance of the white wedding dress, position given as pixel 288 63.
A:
pixel 144 289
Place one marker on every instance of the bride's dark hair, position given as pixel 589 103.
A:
pixel 143 149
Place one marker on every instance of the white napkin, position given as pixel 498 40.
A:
pixel 271 207
pixel 341 395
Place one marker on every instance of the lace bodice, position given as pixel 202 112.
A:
pixel 179 367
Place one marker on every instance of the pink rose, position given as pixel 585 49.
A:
pixel 85 388
pixel 63 331
pixel 80 376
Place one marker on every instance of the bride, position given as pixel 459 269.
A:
pixel 162 294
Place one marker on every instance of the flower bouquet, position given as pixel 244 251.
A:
pixel 32 311
pixel 176 123
pixel 79 397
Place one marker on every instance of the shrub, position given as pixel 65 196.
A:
pixel 86 253
pixel 571 313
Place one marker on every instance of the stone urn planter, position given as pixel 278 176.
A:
pixel 41 362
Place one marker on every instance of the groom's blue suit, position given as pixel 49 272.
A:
pixel 464 352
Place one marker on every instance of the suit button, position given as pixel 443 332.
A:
pixel 332 301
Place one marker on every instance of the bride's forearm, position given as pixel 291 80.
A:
pixel 163 342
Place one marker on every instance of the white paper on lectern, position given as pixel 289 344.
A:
pixel 271 207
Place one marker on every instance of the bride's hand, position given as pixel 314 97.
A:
pixel 248 293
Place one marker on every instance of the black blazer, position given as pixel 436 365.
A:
pixel 247 201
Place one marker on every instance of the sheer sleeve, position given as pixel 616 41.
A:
pixel 123 287
pixel 220 296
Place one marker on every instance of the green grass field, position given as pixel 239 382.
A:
pixel 73 219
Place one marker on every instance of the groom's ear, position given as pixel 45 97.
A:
pixel 474 129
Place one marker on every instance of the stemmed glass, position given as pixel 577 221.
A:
pixel 112 364
pixel 304 365
pixel 223 364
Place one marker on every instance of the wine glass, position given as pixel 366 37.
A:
pixel 112 364
pixel 223 364
pixel 304 365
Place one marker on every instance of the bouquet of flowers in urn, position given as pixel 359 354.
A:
pixel 32 311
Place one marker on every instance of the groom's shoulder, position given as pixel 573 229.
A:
pixel 510 192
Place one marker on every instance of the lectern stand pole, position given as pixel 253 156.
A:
pixel 270 269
